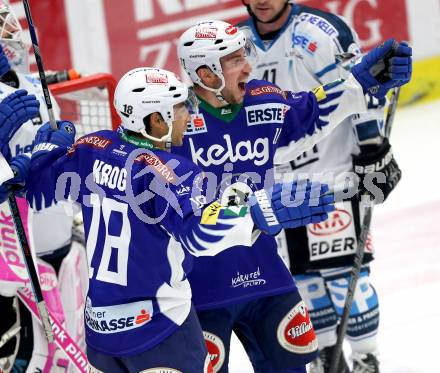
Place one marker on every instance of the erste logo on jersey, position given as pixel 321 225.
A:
pixel 305 42
pixel 114 319
pixel 196 125
pixel 216 350
pixel 295 331
pixel 266 113
pixel 156 78
pixel 217 154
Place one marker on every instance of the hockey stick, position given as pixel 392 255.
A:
pixel 30 266
pixel 62 338
pixel 360 250
pixel 24 244
pixel 39 61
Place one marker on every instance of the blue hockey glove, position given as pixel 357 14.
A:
pixel 20 167
pixel 48 139
pixel 15 109
pixel 290 206
pixel 386 66
pixel 4 63
pixel 47 147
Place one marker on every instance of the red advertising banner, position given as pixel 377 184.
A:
pixel 50 22
pixel 144 32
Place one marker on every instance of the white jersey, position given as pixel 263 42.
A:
pixel 315 48
pixel 52 227
pixel 303 56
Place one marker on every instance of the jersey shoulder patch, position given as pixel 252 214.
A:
pixel 263 91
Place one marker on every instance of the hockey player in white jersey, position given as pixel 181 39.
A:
pixel 298 48
pixel 51 229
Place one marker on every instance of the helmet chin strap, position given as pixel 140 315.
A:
pixel 166 139
pixel 217 91
pixel 275 18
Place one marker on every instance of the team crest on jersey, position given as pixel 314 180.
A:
pixel 269 113
pixel 156 78
pixel 295 332
pixel 216 350
pixel 206 32
pixel 196 125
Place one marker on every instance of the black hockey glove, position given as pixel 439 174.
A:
pixel 377 159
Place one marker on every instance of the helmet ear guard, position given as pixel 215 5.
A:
pixel 143 91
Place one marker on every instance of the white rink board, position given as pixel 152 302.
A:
pixel 406 232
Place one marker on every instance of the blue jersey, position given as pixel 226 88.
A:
pixel 139 205
pixel 239 145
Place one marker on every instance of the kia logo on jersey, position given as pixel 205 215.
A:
pixel 338 221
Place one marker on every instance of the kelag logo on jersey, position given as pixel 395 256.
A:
pixel 113 319
pixel 265 113
pixel 217 154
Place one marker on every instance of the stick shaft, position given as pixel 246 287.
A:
pixel 30 266
pixel 360 250
pixel 40 66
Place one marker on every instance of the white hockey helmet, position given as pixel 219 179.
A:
pixel 205 43
pixel 143 91
pixel 11 39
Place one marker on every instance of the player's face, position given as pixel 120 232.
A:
pixel 236 70
pixel 265 10
pixel 181 118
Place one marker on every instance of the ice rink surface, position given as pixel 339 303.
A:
pixel 406 233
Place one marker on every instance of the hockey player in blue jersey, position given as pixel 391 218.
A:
pixel 142 207
pixel 243 128
pixel 320 47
